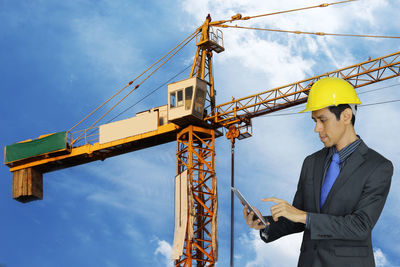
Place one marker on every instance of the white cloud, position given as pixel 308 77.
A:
pixel 165 250
pixel 380 258
pixel 256 54
pixel 286 249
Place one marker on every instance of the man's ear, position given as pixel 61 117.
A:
pixel 346 115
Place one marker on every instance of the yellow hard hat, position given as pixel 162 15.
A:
pixel 330 91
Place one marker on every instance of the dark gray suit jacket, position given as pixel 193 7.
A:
pixel 340 233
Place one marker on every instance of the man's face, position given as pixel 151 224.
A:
pixel 330 130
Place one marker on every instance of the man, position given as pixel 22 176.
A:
pixel 341 191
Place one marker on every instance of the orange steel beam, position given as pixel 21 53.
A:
pixel 243 109
pixel 196 153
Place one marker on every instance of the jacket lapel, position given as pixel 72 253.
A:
pixel 352 164
pixel 318 173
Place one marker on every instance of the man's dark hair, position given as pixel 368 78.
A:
pixel 337 110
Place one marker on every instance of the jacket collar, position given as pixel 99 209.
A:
pixel 318 173
pixel 354 161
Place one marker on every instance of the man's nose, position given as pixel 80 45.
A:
pixel 317 127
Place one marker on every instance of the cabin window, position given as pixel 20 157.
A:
pixel 188 97
pixel 199 101
pixel 179 98
pixel 172 100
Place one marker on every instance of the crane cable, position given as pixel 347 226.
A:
pixel 239 17
pixel 300 32
pixel 143 98
pixel 165 61
pixel 152 92
pixel 303 8
pixel 184 42
pixel 131 82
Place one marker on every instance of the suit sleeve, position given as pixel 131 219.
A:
pixel 357 225
pixel 284 226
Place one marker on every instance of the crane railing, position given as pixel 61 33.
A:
pixel 243 109
pixel 85 136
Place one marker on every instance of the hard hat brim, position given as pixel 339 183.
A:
pixel 308 109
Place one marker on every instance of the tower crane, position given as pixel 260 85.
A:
pixel 193 119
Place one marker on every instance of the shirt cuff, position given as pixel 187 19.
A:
pixel 308 218
pixel 264 232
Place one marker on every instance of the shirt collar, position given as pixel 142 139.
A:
pixel 346 151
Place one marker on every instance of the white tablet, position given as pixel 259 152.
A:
pixel 245 203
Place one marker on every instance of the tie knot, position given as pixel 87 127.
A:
pixel 335 158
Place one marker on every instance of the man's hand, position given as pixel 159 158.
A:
pixel 251 220
pixel 284 209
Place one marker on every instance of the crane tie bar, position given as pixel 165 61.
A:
pixel 314 33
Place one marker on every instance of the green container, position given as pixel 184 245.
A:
pixel 44 145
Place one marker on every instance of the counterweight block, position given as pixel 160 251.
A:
pixel 27 185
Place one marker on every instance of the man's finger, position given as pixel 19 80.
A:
pixel 253 224
pixel 273 199
pixel 250 217
pixel 257 225
pixel 278 214
pixel 245 211
pixel 277 208
pixel 257 211
pixel 274 210
pixel 275 217
pixel 246 215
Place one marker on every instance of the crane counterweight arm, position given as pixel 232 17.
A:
pixel 243 109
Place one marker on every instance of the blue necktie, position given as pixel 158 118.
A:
pixel 330 178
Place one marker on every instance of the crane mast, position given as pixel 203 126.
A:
pixel 196 157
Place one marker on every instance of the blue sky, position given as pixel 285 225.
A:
pixel 60 59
